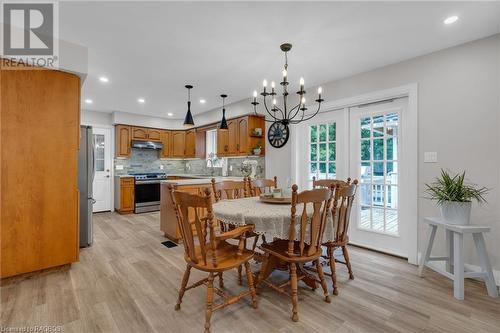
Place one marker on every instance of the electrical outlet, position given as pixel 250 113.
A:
pixel 230 168
pixel 119 167
pixel 161 166
pixel 430 157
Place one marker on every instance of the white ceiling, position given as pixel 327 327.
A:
pixel 152 49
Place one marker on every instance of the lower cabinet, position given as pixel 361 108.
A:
pixel 124 195
pixel 168 217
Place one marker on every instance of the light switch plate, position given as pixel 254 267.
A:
pixel 430 157
pixel 119 167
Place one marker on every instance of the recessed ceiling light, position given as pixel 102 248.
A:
pixel 89 101
pixel 103 79
pixel 141 100
pixel 202 101
pixel 170 114
pixel 451 19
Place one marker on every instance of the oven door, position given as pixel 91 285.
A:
pixel 147 193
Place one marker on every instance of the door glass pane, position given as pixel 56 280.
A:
pixel 322 151
pixel 379 173
pixel 365 127
pixel 378 126
pixel 378 149
pixel 99 151
pixel 322 132
pixel 314 133
pixel 314 152
pixel 365 150
pixel 332 132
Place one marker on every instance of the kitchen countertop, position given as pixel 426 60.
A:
pixel 198 181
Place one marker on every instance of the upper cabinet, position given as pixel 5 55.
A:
pixel 238 140
pixel 178 148
pixel 190 143
pixel 166 141
pixel 154 134
pixel 142 133
pixel 123 137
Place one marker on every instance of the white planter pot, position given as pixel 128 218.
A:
pixel 456 212
pixel 257 151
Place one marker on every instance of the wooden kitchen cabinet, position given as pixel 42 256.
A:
pixel 243 134
pixel 123 139
pixel 165 140
pixel 154 134
pixel 222 143
pixel 178 147
pixel 139 133
pixel 190 143
pixel 124 195
pixel 39 214
pixel 238 139
pixel 146 134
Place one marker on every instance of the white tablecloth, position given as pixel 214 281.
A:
pixel 271 220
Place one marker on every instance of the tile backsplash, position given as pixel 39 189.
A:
pixel 145 160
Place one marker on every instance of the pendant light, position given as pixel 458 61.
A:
pixel 188 121
pixel 223 122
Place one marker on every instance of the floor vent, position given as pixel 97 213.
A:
pixel 169 244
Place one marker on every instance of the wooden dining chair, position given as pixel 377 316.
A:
pixel 208 252
pixel 229 189
pixel 295 253
pixel 258 186
pixel 329 182
pixel 341 214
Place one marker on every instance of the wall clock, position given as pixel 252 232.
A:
pixel 278 134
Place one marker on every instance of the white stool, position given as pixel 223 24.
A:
pixel 455 255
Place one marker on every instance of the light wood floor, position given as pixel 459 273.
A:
pixel 128 282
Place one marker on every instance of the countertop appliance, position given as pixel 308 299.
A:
pixel 86 171
pixel 147 191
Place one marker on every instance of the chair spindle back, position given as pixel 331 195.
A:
pixel 320 200
pixel 198 231
pixel 229 189
pixel 341 209
pixel 259 186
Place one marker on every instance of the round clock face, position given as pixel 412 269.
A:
pixel 278 134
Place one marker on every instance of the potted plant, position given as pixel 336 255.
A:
pixel 257 149
pixel 454 196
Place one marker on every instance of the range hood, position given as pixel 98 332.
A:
pixel 147 145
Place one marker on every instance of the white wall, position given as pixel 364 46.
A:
pixel 458 110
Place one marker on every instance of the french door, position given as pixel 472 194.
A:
pixel 375 160
pixel 363 143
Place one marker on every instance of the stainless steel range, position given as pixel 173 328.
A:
pixel 147 191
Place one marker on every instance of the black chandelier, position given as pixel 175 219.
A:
pixel 223 122
pixel 285 115
pixel 188 120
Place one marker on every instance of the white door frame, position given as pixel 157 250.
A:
pixel 409 207
pixel 112 153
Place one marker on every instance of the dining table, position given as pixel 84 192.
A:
pixel 271 221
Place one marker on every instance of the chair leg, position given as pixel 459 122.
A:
pixel 210 300
pixel 185 280
pixel 323 281
pixel 347 262
pixel 331 258
pixel 240 279
pixel 221 280
pixel 295 298
pixel 251 286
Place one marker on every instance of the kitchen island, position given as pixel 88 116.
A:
pixel 168 219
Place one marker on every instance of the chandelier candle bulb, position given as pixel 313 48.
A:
pixel 320 90
pixel 301 82
pixel 274 101
pixel 264 83
pixel 255 94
